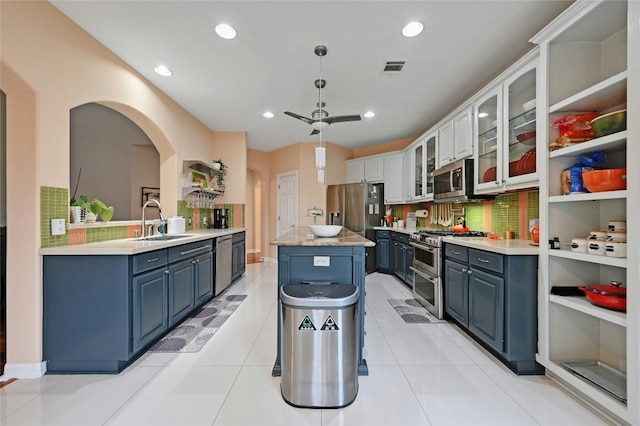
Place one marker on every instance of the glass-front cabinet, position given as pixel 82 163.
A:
pixel 505 124
pixel 420 162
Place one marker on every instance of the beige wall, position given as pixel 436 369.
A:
pixel 49 66
pixel 258 162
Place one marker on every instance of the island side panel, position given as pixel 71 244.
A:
pixel 346 266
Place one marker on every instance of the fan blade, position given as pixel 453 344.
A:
pixel 342 118
pixel 299 117
pixel 314 132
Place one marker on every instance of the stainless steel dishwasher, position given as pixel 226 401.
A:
pixel 223 263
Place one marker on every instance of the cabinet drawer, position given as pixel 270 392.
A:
pixel 401 237
pixel 189 250
pixel 382 234
pixel 149 260
pixel 459 253
pixel 487 260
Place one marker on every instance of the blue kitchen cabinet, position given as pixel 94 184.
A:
pixel 402 255
pixel 493 297
pixel 101 312
pixel 456 290
pixel 486 307
pixel 181 290
pixel 238 255
pixel 150 301
pixel 204 273
pixel 383 252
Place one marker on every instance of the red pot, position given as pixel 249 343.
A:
pixel 607 296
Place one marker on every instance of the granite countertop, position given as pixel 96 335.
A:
pixel 300 237
pixel 129 246
pixel 508 247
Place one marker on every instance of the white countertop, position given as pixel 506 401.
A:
pixel 508 247
pixel 302 236
pixel 128 246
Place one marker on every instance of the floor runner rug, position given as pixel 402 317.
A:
pixel 192 334
pixel 412 312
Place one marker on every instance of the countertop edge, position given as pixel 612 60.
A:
pixel 131 246
pixel 299 237
pixel 507 247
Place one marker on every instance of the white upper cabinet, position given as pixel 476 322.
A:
pixel 455 139
pixel 393 178
pixel 505 131
pixel 366 169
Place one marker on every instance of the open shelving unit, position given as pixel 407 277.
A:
pixel 204 168
pixel 586 55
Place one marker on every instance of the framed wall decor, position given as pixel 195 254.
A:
pixel 149 193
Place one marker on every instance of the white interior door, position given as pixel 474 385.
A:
pixel 287 202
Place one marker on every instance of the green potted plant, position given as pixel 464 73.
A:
pixel 222 169
pixel 93 209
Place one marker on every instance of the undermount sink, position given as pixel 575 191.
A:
pixel 164 237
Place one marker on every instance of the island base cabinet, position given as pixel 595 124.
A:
pixel 86 313
pixel 330 264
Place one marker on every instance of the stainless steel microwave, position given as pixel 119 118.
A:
pixel 454 182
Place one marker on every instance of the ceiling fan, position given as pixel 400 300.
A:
pixel 320 118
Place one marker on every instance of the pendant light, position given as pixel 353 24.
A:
pixel 320 150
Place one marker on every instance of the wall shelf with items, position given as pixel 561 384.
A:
pixel 199 166
pixel 584 55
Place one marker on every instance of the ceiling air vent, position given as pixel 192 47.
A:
pixel 393 66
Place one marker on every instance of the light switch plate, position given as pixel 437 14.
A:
pixel 57 227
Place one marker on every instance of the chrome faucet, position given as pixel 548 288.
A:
pixel 144 206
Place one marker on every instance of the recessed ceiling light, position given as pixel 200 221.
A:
pixel 225 31
pixel 369 114
pixel 412 29
pixel 268 114
pixel 163 71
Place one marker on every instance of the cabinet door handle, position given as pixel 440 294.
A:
pixel 464 270
pixel 469 272
pixel 455 252
pixel 182 253
pixel 167 271
pixel 155 259
pixel 482 260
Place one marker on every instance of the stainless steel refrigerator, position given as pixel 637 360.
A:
pixel 358 207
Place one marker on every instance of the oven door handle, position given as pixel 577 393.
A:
pixel 433 280
pixel 423 247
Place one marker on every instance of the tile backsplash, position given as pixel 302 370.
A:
pixel 507 212
pixel 54 204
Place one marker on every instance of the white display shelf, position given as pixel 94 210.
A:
pixel 615 141
pixel 616 407
pixel 610 92
pixel 619 262
pixel 590 196
pixel 581 304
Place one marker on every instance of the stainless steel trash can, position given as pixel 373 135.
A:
pixel 319 344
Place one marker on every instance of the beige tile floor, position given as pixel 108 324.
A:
pixel 420 374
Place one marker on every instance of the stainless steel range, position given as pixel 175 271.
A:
pixel 427 267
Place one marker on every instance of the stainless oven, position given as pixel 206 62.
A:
pixel 427 284
pixel 427 289
pixel 426 258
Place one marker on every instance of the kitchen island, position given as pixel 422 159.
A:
pixel 106 302
pixel 302 257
